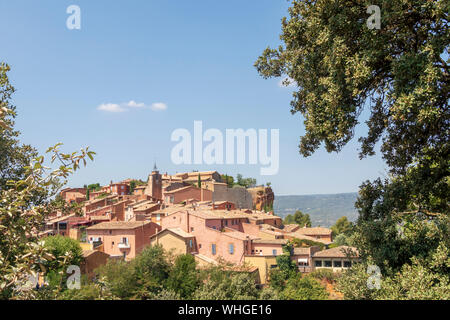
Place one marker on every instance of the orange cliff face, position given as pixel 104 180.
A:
pixel 262 197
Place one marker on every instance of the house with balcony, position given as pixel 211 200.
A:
pixel 122 239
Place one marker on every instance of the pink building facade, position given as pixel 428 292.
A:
pixel 122 239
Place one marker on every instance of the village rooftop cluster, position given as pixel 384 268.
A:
pixel 193 213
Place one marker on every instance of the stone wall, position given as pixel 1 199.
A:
pixel 238 195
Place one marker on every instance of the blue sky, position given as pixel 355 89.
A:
pixel 195 57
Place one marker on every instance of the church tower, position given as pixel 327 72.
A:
pixel 154 186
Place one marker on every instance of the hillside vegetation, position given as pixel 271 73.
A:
pixel 324 209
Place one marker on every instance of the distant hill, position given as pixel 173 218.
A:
pixel 324 209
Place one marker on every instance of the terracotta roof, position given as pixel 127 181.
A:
pixel 59 219
pixel 305 237
pixel 171 209
pixel 180 189
pixel 145 206
pixel 98 200
pixel 230 214
pixel 176 231
pixel 313 231
pixel 87 253
pixel 202 173
pixel 268 231
pixel 118 225
pixel 291 227
pixel 222 202
pixel 205 258
pixel 338 252
pixel 99 218
pixel 271 241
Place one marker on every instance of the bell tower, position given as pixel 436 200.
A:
pixel 154 185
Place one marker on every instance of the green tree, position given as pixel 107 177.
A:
pixel 199 181
pixel 14 157
pixel 339 65
pixel 304 288
pixel 94 187
pixel 245 182
pixel 343 240
pixel 229 180
pixel 298 243
pixel 269 293
pixel 120 278
pixel 300 218
pixel 165 294
pixel 401 73
pixel 152 268
pixel 286 266
pixel 234 286
pixel 132 186
pixel 63 247
pixel 22 214
pixel 342 226
pixel 184 278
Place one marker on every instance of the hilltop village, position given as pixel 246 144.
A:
pixel 195 213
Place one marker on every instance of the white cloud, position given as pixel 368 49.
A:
pixel 134 104
pixel 158 106
pixel 114 107
pixel 287 82
pixel 110 107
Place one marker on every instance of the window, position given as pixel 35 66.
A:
pixel 274 252
pixel 226 222
pixel 199 245
pixel 328 263
pixel 62 225
pixel 231 248
pixel 337 264
pixel 125 240
pixel 347 264
pixel 213 249
pixel 273 266
pixel 190 243
pixel 318 263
